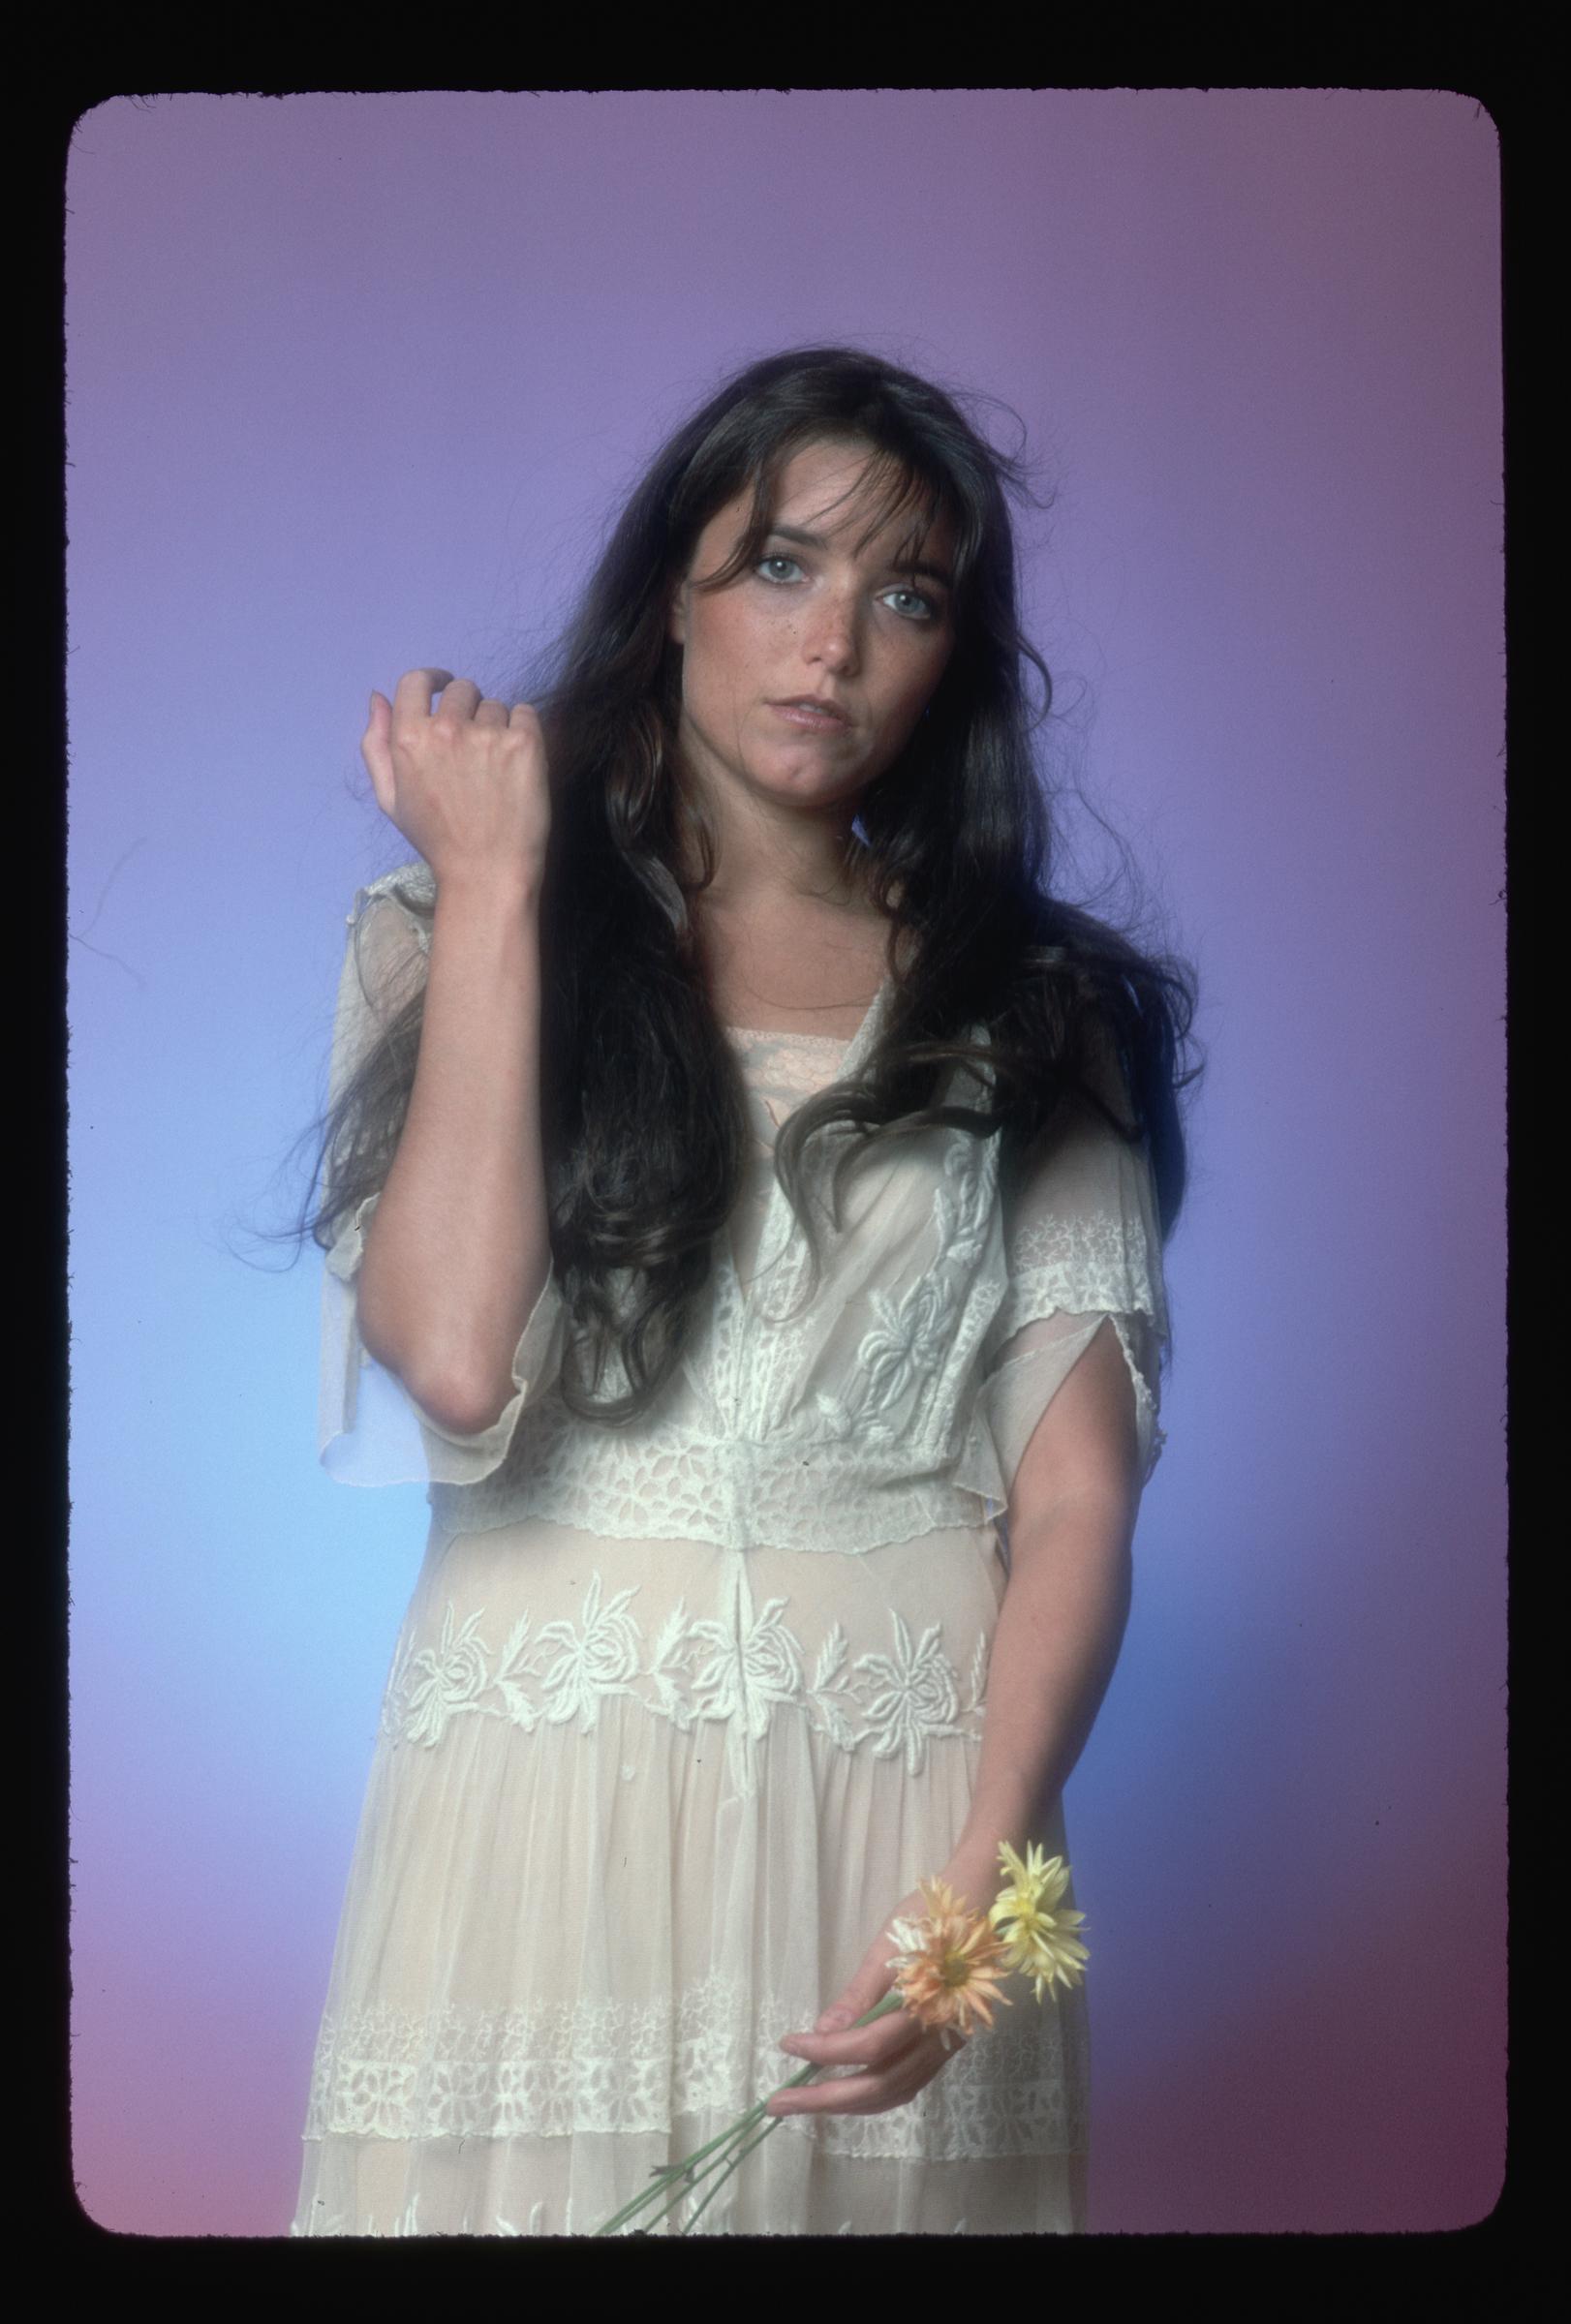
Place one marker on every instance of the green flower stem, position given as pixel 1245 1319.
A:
pixel 773 2123
pixel 675 2173
pixel 678 2178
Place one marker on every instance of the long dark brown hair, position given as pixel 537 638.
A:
pixel 644 1115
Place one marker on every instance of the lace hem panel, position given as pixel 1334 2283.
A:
pixel 598 2066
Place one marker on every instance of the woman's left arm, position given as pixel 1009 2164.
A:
pixel 1055 1646
pixel 1067 1604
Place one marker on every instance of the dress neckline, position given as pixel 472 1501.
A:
pixel 759 1032
pixel 856 1046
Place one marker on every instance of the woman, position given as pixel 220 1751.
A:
pixel 733 1158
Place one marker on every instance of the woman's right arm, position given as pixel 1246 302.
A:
pixel 457 1252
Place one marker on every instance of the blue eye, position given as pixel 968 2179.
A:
pixel 928 608
pixel 919 606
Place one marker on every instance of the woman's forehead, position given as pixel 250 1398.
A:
pixel 854 491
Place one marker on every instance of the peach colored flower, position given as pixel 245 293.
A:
pixel 947 1969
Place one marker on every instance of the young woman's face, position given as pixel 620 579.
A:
pixel 818 619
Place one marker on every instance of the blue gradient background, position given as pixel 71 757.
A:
pixel 355 382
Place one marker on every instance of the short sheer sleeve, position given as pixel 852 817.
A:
pixel 1083 1247
pixel 369 1429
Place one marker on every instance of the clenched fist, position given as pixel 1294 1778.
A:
pixel 466 784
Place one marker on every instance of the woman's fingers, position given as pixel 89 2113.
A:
pixel 879 2044
pixel 467 783
pixel 411 699
pixel 376 754
pixel 459 697
pixel 411 695
pixel 897 2057
pixel 892 2083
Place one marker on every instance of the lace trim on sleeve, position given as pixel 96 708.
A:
pixel 1082 1248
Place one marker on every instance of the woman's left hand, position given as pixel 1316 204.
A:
pixel 898 2055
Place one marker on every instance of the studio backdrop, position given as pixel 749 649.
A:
pixel 355 384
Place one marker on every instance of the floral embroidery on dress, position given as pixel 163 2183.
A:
pixel 909 1336
pixel 918 1698
pixel 696 1669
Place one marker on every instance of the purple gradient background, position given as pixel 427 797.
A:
pixel 355 382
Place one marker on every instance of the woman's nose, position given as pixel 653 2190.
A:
pixel 833 637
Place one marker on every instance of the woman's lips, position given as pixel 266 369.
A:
pixel 814 722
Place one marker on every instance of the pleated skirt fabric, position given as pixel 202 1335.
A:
pixel 636 1810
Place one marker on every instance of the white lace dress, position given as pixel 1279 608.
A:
pixel 678 1714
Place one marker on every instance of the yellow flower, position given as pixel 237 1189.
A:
pixel 1039 1941
pixel 947 1969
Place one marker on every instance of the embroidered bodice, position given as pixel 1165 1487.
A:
pixel 895 1402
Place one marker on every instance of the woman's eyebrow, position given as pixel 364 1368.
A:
pixel 816 540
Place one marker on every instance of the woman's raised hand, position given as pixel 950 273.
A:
pixel 466 784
